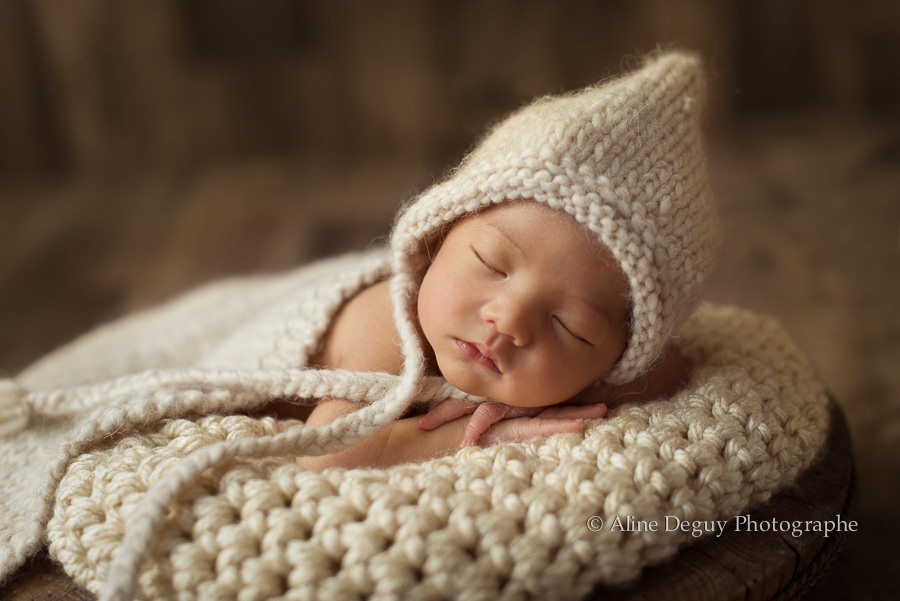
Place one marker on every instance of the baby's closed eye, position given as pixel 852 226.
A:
pixel 571 332
pixel 489 265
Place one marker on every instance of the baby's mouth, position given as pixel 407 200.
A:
pixel 478 354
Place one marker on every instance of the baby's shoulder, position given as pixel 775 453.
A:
pixel 362 336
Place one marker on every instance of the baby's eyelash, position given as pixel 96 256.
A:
pixel 485 263
pixel 566 328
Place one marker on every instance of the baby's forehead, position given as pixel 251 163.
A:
pixel 507 215
pixel 570 252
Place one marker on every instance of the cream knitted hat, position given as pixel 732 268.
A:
pixel 625 159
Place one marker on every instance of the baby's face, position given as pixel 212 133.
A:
pixel 522 306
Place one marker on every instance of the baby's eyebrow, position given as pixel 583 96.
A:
pixel 505 232
pixel 590 303
pixel 598 311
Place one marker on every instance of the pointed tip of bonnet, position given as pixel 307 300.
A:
pixel 686 63
pixel 677 73
pixel 666 86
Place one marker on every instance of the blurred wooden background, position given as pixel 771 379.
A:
pixel 146 146
pixel 99 85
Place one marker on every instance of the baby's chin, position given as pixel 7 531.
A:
pixel 506 397
pixel 499 388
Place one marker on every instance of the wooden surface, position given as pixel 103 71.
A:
pixel 739 565
pixel 43 580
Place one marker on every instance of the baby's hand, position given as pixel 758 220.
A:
pixel 486 414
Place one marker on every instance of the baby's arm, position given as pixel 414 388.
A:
pixel 366 452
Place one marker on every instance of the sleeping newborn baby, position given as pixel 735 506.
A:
pixel 519 305
pixel 548 275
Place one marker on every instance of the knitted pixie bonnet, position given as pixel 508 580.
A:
pixel 625 159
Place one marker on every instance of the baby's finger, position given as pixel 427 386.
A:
pixel 595 411
pixel 518 430
pixel 486 415
pixel 444 412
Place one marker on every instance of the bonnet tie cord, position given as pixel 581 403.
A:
pixel 343 432
pixel 19 406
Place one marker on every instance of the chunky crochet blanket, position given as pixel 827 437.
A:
pixel 504 522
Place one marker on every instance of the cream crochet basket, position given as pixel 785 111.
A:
pixel 503 522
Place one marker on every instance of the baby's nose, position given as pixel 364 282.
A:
pixel 511 317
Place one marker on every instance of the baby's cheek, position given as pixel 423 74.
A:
pixel 556 381
pixel 429 311
pixel 535 390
